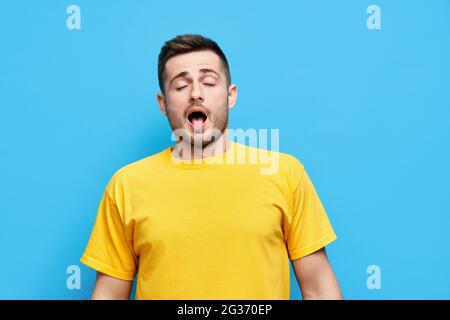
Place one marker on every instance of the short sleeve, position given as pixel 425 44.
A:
pixel 307 228
pixel 108 249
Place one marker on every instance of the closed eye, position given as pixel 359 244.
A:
pixel 206 84
pixel 181 88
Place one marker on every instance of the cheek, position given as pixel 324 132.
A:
pixel 176 102
pixel 218 96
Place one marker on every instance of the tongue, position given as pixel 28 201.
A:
pixel 197 121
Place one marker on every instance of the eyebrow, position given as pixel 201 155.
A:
pixel 185 73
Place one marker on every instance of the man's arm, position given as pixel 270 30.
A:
pixel 315 277
pixel 109 288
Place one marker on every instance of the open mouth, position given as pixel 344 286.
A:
pixel 197 117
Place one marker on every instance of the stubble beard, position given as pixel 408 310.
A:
pixel 220 124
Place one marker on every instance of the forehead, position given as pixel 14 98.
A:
pixel 193 61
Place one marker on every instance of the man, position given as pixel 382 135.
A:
pixel 193 228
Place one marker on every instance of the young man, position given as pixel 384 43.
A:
pixel 193 222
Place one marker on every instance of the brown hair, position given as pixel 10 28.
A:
pixel 188 43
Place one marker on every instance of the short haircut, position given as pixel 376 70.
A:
pixel 186 43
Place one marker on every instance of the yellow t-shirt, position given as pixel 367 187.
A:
pixel 220 229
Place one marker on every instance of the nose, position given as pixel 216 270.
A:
pixel 196 93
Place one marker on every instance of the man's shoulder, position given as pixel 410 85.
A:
pixel 152 161
pixel 143 167
pixel 291 167
pixel 287 161
pixel 283 165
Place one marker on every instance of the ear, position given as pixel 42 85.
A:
pixel 161 103
pixel 232 95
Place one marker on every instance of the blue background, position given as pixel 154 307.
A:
pixel 366 111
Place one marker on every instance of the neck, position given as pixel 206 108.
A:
pixel 186 151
